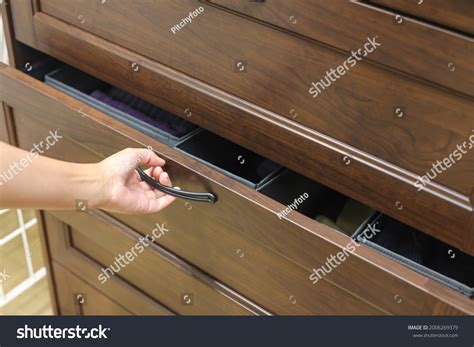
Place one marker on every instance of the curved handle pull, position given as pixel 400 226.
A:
pixel 194 196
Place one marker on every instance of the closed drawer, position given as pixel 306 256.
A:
pixel 157 273
pixel 240 240
pixel 393 138
pixel 454 14
pixel 346 24
pixel 77 289
pixel 76 297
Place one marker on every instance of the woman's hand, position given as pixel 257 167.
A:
pixel 113 184
pixel 122 190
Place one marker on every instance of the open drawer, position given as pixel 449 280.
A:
pixel 217 152
pixel 353 138
pixel 421 252
pixel 240 240
pixel 123 106
pixel 218 249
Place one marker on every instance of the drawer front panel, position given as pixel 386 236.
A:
pixel 83 273
pixel 279 78
pixel 278 285
pixel 223 252
pixel 305 243
pixel 454 14
pixel 77 298
pixel 218 247
pixel 150 268
pixel 341 24
pixel 437 210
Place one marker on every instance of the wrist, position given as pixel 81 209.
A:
pixel 91 185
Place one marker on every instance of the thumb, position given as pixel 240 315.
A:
pixel 127 160
pixel 146 156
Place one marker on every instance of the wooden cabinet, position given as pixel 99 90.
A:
pixel 239 256
pixel 119 253
pixel 76 297
pixel 78 291
pixel 391 124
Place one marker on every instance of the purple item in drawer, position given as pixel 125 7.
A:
pixel 144 111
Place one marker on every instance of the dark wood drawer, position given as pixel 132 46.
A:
pixel 240 240
pixel 154 271
pixel 269 111
pixel 221 246
pixel 76 297
pixel 453 14
pixel 346 24
pixel 74 273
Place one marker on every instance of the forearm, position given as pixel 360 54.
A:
pixel 32 181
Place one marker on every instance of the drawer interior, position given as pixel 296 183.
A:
pixel 215 151
pixel 316 201
pixel 296 192
pixel 127 108
pixel 229 158
pixel 421 252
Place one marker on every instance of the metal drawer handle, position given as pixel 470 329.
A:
pixel 194 196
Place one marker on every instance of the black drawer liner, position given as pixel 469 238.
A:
pixel 229 158
pixel 125 107
pixel 420 252
pixel 338 211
